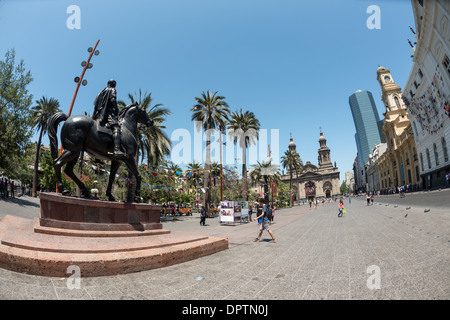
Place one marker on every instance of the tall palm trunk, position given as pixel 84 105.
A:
pixel 36 165
pixel 266 191
pixel 244 175
pixel 206 194
pixel 290 191
pixel 215 194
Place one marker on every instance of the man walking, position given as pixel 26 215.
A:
pixel 203 215
pixel 264 223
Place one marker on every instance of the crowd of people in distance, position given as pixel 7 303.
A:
pixel 10 189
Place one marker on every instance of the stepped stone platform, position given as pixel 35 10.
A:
pixel 99 240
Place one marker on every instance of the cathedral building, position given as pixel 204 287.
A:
pixel 315 181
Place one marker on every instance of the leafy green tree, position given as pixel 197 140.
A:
pixel 284 193
pixel 22 165
pixel 243 128
pixel 192 174
pixel 48 180
pixel 42 112
pixel 291 161
pixel 15 115
pixel 153 141
pixel 215 173
pixel 210 112
pixel 265 173
pixel 343 187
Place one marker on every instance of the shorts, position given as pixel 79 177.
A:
pixel 264 226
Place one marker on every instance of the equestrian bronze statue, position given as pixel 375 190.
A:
pixel 82 133
pixel 106 112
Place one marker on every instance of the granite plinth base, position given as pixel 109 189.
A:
pixel 65 212
pixel 98 248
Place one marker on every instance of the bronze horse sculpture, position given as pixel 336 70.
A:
pixel 81 133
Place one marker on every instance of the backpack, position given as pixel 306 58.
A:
pixel 269 213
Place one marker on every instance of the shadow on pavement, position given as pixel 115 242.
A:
pixel 20 201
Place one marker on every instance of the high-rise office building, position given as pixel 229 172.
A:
pixel 367 123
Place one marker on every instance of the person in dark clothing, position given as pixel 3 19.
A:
pixel 106 112
pixel 203 215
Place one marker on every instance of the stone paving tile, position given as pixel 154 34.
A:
pixel 317 256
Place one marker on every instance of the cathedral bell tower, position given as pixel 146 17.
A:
pixel 391 95
pixel 396 118
pixel 324 153
pixel 292 145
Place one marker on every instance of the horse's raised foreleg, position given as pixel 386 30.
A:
pixel 69 171
pixel 134 170
pixel 114 166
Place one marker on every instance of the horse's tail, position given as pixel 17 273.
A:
pixel 52 130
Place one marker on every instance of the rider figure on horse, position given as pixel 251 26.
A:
pixel 107 112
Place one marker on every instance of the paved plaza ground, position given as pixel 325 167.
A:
pixel 317 256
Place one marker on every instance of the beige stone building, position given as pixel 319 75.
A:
pixel 316 181
pixel 399 164
pixel 427 91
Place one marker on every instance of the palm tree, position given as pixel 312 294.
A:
pixel 243 128
pixel 153 141
pixel 291 161
pixel 170 165
pixel 210 112
pixel 215 171
pixel 42 112
pixel 298 170
pixel 266 173
pixel 192 174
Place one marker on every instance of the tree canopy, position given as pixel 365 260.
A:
pixel 15 114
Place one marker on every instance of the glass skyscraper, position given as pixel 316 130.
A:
pixel 367 123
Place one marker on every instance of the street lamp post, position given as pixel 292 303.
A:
pixel 79 80
pixel 221 177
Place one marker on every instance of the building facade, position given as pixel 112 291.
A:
pixel 359 176
pixel 398 165
pixel 350 180
pixel 320 181
pixel 367 124
pixel 372 172
pixel 427 91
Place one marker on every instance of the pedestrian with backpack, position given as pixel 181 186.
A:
pixel 265 222
pixel 258 211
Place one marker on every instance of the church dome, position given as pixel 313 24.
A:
pixel 322 138
pixel 292 143
pixel 380 68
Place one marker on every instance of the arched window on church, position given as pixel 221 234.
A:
pixel 397 102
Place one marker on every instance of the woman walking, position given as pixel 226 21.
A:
pixel 341 208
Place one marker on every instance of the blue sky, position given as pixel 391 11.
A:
pixel 293 63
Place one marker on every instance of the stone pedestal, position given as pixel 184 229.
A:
pixel 86 214
pixel 101 238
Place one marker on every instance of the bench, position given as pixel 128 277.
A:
pixel 186 211
pixel 178 212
